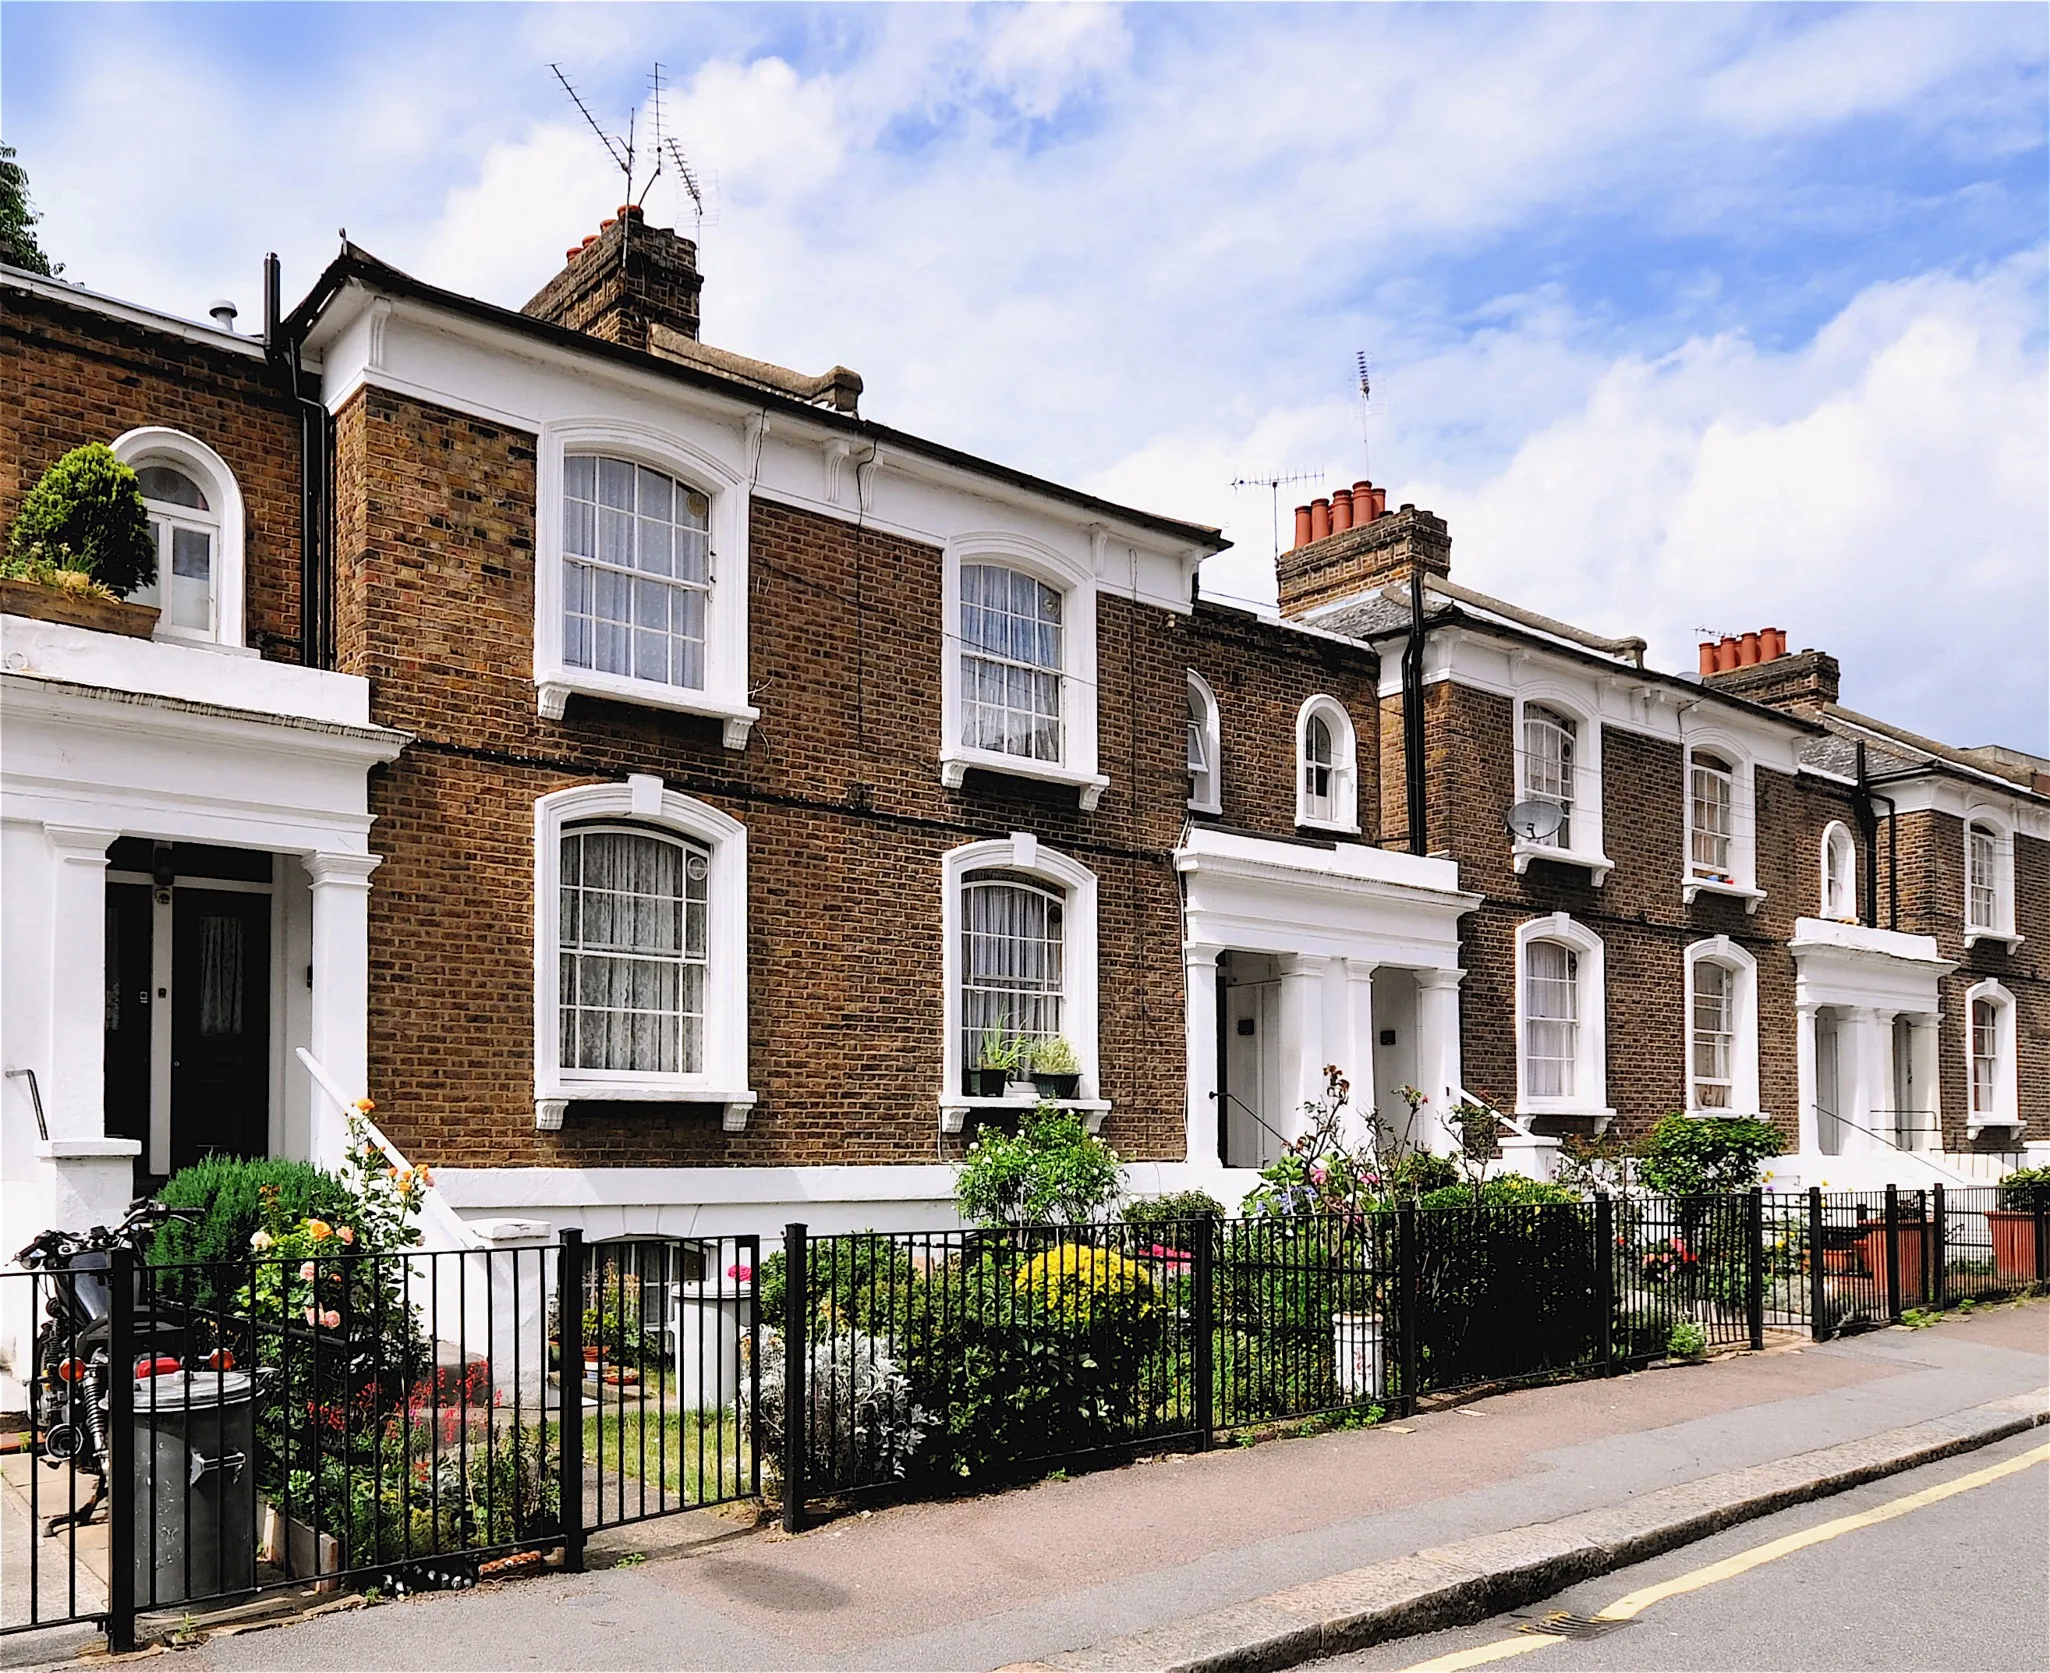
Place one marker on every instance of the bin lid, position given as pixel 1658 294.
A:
pixel 177 1391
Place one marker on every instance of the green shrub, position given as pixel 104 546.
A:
pixel 1505 1190
pixel 1695 1156
pixel 1687 1340
pixel 1177 1208
pixel 1052 1171
pixel 229 1190
pixel 87 512
pixel 2020 1188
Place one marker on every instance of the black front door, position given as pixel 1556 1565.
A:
pixel 220 1025
pixel 129 994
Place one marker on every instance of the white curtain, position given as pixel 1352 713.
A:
pixel 632 948
pixel 1010 663
pixel 1551 1020
pixel 1713 1036
pixel 1010 963
pixel 220 975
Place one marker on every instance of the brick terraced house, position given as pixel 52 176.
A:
pixel 653 783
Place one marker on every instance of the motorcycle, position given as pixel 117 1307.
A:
pixel 68 1392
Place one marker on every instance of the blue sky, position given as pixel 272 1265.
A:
pixel 1682 316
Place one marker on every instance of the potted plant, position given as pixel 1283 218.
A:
pixel 996 1060
pixel 80 541
pixel 1056 1070
pixel 2013 1224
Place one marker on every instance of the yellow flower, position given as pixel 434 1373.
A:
pixel 365 1105
pixel 319 1229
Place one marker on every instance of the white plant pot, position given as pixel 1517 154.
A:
pixel 1357 1352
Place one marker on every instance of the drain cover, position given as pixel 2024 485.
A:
pixel 1559 1624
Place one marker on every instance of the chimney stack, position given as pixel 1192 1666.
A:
pixel 1351 544
pixel 602 295
pixel 1757 667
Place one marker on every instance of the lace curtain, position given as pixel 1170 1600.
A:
pixel 1551 1019
pixel 1010 963
pixel 632 949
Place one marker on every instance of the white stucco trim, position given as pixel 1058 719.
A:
pixel 724 695
pixel 642 800
pixel 156 444
pixel 1345 778
pixel 1743 968
pixel 1590 1072
pixel 1837 833
pixel 1022 853
pixel 1075 582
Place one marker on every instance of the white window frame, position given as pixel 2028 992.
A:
pixel 1076 583
pixel 1590 1072
pixel 1743 869
pixel 158 445
pixel 2002 928
pixel 724 695
pixel 1345 778
pixel 1742 968
pixel 2006 1111
pixel 1021 854
pixel 1837 835
pixel 1206 789
pixel 641 800
pixel 1587 851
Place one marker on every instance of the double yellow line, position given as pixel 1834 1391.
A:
pixel 1630 1607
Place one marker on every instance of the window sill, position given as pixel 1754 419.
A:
pixel 1596 865
pixel 1728 1115
pixel 1547 1108
pixel 554 689
pixel 954 765
pixel 193 639
pixel 1329 827
pixel 552 1105
pixel 1977 1124
pixel 1211 808
pixel 954 1110
pixel 1693 887
pixel 2006 938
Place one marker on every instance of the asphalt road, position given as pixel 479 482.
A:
pixel 1961 1583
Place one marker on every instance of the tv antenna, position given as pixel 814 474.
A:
pixel 1274 485
pixel 624 152
pixel 666 146
pixel 1366 392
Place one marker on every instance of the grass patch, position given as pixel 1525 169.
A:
pixel 691 1457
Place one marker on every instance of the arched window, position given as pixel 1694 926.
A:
pixel 632 950
pixel 1012 961
pixel 1561 1049
pixel 1548 748
pixel 1993 1094
pixel 637 571
pixel 1839 874
pixel 1019 928
pixel 640 934
pixel 1327 793
pixel 1204 741
pixel 1010 663
pixel 1710 822
pixel 195 516
pixel 1722 1028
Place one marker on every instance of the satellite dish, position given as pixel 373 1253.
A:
pixel 1535 821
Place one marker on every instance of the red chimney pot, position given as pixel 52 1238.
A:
pixel 1380 502
pixel 1341 510
pixel 1302 525
pixel 1707 650
pixel 1320 519
pixel 1747 651
pixel 1725 654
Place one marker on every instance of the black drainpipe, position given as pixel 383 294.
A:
pixel 316 472
pixel 1413 715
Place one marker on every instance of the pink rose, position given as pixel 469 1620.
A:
pixel 331 1319
pixel 306 1271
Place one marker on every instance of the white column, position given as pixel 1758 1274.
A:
pixel 341 988
pixel 1869 1076
pixel 73 1075
pixel 1804 1082
pixel 85 1177
pixel 1437 1052
pixel 1926 1051
pixel 1303 1054
pixel 1199 1010
pixel 1359 1059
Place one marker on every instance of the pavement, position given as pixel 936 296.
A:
pixel 1178 1561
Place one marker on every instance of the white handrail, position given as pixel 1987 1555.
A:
pixel 1514 1124
pixel 434 1209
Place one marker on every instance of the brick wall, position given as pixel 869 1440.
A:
pixel 73 377
pixel 839 790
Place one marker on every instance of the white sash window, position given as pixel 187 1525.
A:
pixel 637 572
pixel 1010 663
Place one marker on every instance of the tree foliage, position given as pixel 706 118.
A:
pixel 18 244
pixel 1694 1156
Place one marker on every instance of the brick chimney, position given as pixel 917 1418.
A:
pixel 1352 543
pixel 1758 668
pixel 596 293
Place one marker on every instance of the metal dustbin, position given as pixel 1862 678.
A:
pixel 195 1486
